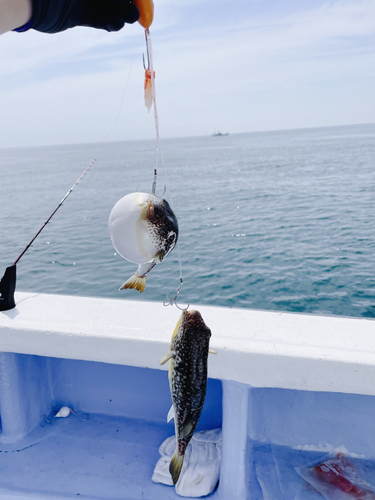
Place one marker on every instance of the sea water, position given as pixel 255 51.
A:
pixel 274 220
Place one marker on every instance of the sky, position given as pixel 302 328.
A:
pixel 238 66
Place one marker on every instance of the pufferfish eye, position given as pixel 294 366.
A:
pixel 171 238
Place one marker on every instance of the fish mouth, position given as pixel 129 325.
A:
pixel 192 314
pixel 194 323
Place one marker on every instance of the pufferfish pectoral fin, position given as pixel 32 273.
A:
pixel 167 357
pixel 138 280
pixel 158 257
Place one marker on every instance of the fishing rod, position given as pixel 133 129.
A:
pixel 8 281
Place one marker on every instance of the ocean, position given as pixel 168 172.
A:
pixel 280 221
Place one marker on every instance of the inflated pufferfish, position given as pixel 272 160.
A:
pixel 143 229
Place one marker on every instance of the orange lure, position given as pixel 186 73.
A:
pixel 146 16
pixel 148 89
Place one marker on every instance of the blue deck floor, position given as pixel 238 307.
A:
pixel 98 458
pixel 104 457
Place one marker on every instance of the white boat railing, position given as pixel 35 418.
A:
pixel 258 348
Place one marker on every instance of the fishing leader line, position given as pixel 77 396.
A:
pixel 151 75
pixel 150 69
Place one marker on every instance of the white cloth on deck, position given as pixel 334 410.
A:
pixel 201 468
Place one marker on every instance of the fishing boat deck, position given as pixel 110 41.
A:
pixel 284 388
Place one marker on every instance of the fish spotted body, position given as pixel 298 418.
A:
pixel 143 230
pixel 187 380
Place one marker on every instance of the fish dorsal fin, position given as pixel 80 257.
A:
pixel 170 414
pixel 212 351
pixel 167 357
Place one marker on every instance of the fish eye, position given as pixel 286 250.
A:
pixel 171 238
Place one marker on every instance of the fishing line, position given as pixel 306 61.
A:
pixel 122 102
pixel 53 213
pixel 8 281
pixel 81 176
pixel 167 301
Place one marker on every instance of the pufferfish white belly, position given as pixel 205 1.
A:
pixel 143 229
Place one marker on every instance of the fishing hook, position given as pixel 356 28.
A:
pixel 153 191
pixel 181 308
pixel 165 190
pixel 170 302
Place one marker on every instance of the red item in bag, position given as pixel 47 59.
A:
pixel 336 478
pixel 331 473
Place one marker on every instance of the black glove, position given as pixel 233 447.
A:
pixel 52 16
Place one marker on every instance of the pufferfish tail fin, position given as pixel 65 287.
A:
pixel 175 466
pixel 138 280
pixel 135 282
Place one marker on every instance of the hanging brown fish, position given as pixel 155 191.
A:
pixel 187 380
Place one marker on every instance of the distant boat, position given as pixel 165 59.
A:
pixel 219 134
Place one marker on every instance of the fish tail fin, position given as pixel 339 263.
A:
pixel 175 466
pixel 135 282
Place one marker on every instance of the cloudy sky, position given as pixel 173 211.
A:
pixel 238 66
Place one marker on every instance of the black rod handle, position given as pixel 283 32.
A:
pixel 7 289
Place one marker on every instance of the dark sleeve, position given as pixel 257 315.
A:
pixel 53 16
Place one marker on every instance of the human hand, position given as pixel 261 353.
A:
pixel 53 16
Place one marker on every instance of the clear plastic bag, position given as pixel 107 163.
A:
pixel 337 477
